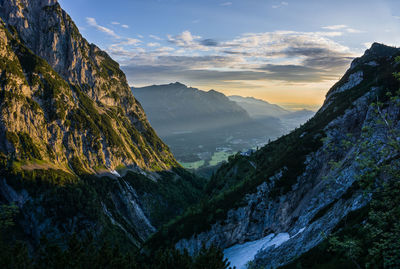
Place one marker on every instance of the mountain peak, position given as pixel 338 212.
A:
pixel 178 84
pixel 381 50
pixel 74 88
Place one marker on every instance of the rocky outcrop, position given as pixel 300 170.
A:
pixel 325 192
pixel 68 121
pixel 68 97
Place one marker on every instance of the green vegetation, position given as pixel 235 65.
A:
pixel 28 148
pixel 285 156
pixel 193 165
pixel 219 157
pixel 369 237
pixel 51 86
pixel 108 67
pixel 81 201
pixel 87 253
pixel 87 117
pixel 168 196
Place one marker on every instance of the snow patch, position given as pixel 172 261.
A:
pixel 240 254
pixel 115 173
pixel 299 232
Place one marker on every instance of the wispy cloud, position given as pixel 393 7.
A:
pixel 155 37
pixel 153 44
pixel 288 56
pixel 115 23
pixel 92 22
pixel 342 27
pixel 130 41
pixel 281 4
pixel 335 27
pixel 225 4
pixel 125 26
pixel 354 31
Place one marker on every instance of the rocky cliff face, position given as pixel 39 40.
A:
pixel 67 97
pixel 68 121
pixel 299 204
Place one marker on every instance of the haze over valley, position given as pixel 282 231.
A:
pixel 183 134
pixel 205 128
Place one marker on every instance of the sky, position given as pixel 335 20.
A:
pixel 285 52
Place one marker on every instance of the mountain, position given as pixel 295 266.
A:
pixel 200 126
pixel 58 80
pixel 176 108
pixel 318 196
pixel 259 108
pixel 294 119
pixel 68 121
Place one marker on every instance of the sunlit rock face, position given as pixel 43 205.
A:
pixel 77 154
pixel 69 97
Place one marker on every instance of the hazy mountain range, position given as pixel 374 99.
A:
pixel 259 108
pixel 196 124
pixel 334 175
pixel 175 108
pixel 85 181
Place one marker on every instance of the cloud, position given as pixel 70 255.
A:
pixel 92 22
pixel 155 37
pixel 288 56
pixel 295 73
pixel 118 23
pixel 335 27
pixel 209 42
pixel 185 39
pixel 130 41
pixel 281 4
pixel 225 4
pixel 368 44
pixel 164 50
pixel 343 27
pixel 164 74
pixel 125 43
pixel 153 44
pixel 354 31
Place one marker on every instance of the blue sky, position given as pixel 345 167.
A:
pixel 285 52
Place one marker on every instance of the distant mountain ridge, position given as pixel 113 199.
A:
pixel 175 108
pixel 197 124
pixel 258 108
pixel 287 203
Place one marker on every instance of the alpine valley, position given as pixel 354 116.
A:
pixel 86 182
pixel 204 128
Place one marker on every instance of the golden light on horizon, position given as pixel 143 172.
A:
pixel 289 95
